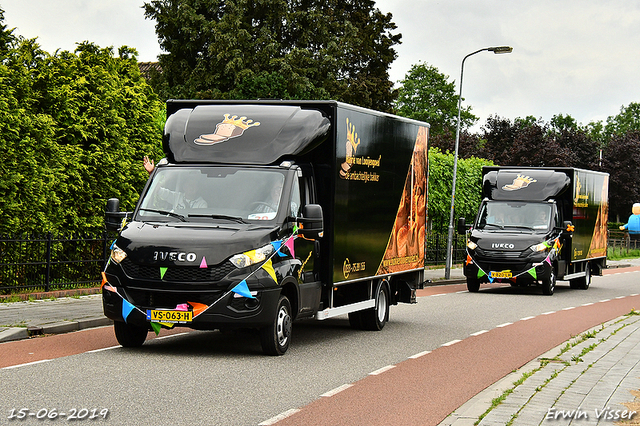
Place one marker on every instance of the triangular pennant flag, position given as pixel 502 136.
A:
pixel 513 279
pixel 198 308
pixel 532 272
pixel 548 260
pixel 126 309
pixel 490 279
pixel 243 290
pixel 163 270
pixel 289 244
pixel 469 260
pixel 481 273
pixel 277 245
pixel 203 264
pixel 253 256
pixel 108 287
pixel 167 324
pixel 295 229
pixel 182 307
pixel 104 280
pixel 156 327
pixel 268 266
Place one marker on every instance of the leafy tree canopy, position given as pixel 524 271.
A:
pixel 74 128
pixel 289 49
pixel 426 94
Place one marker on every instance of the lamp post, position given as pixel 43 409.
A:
pixel 496 50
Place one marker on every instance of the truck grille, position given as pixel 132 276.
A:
pixel 177 273
pixel 169 299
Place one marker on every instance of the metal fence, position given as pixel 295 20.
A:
pixel 51 262
pixel 57 262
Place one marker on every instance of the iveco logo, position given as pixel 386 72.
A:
pixel 174 256
pixel 502 246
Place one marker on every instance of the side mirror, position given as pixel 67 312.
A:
pixel 462 225
pixel 113 216
pixel 312 222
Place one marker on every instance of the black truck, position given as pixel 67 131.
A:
pixel 536 226
pixel 264 212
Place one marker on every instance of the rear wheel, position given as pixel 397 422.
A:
pixel 582 283
pixel 276 337
pixel 128 335
pixel 375 318
pixel 473 284
pixel 549 284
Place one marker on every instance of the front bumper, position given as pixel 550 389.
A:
pixel 529 270
pixel 213 304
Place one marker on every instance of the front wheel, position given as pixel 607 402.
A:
pixel 276 337
pixel 375 318
pixel 473 284
pixel 549 284
pixel 129 336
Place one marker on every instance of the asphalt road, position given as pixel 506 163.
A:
pixel 215 379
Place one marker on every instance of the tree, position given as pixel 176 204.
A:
pixel 427 95
pixel 468 187
pixel 620 159
pixel 290 49
pixel 74 128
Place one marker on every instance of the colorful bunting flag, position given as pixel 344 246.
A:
pixel 203 264
pixel 198 308
pixel 469 260
pixel 243 290
pixel 268 266
pixel 481 273
pixel 289 244
pixel 104 280
pixel 156 327
pixel 163 270
pixel 182 307
pixel 532 272
pixel 126 309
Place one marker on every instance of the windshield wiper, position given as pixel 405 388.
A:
pixel 494 224
pixel 521 227
pixel 172 214
pixel 220 216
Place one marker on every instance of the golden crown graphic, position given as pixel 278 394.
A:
pixel 239 122
pixel 521 181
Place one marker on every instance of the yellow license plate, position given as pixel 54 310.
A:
pixel 501 274
pixel 159 315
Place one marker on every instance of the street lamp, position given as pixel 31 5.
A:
pixel 496 50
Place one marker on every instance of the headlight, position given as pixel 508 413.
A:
pixel 471 245
pixel 540 247
pixel 117 254
pixel 252 257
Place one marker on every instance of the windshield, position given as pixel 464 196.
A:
pixel 205 193
pixel 515 215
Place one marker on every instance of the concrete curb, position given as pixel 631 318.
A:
pixel 19 333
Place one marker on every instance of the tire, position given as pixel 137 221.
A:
pixel 473 285
pixel 582 283
pixel 375 318
pixel 129 336
pixel 549 284
pixel 276 337
pixel 355 320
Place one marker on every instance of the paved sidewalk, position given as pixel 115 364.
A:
pixel 585 381
pixel 19 320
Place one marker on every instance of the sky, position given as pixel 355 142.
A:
pixel 577 58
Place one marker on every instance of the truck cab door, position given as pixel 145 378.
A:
pixel 305 250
